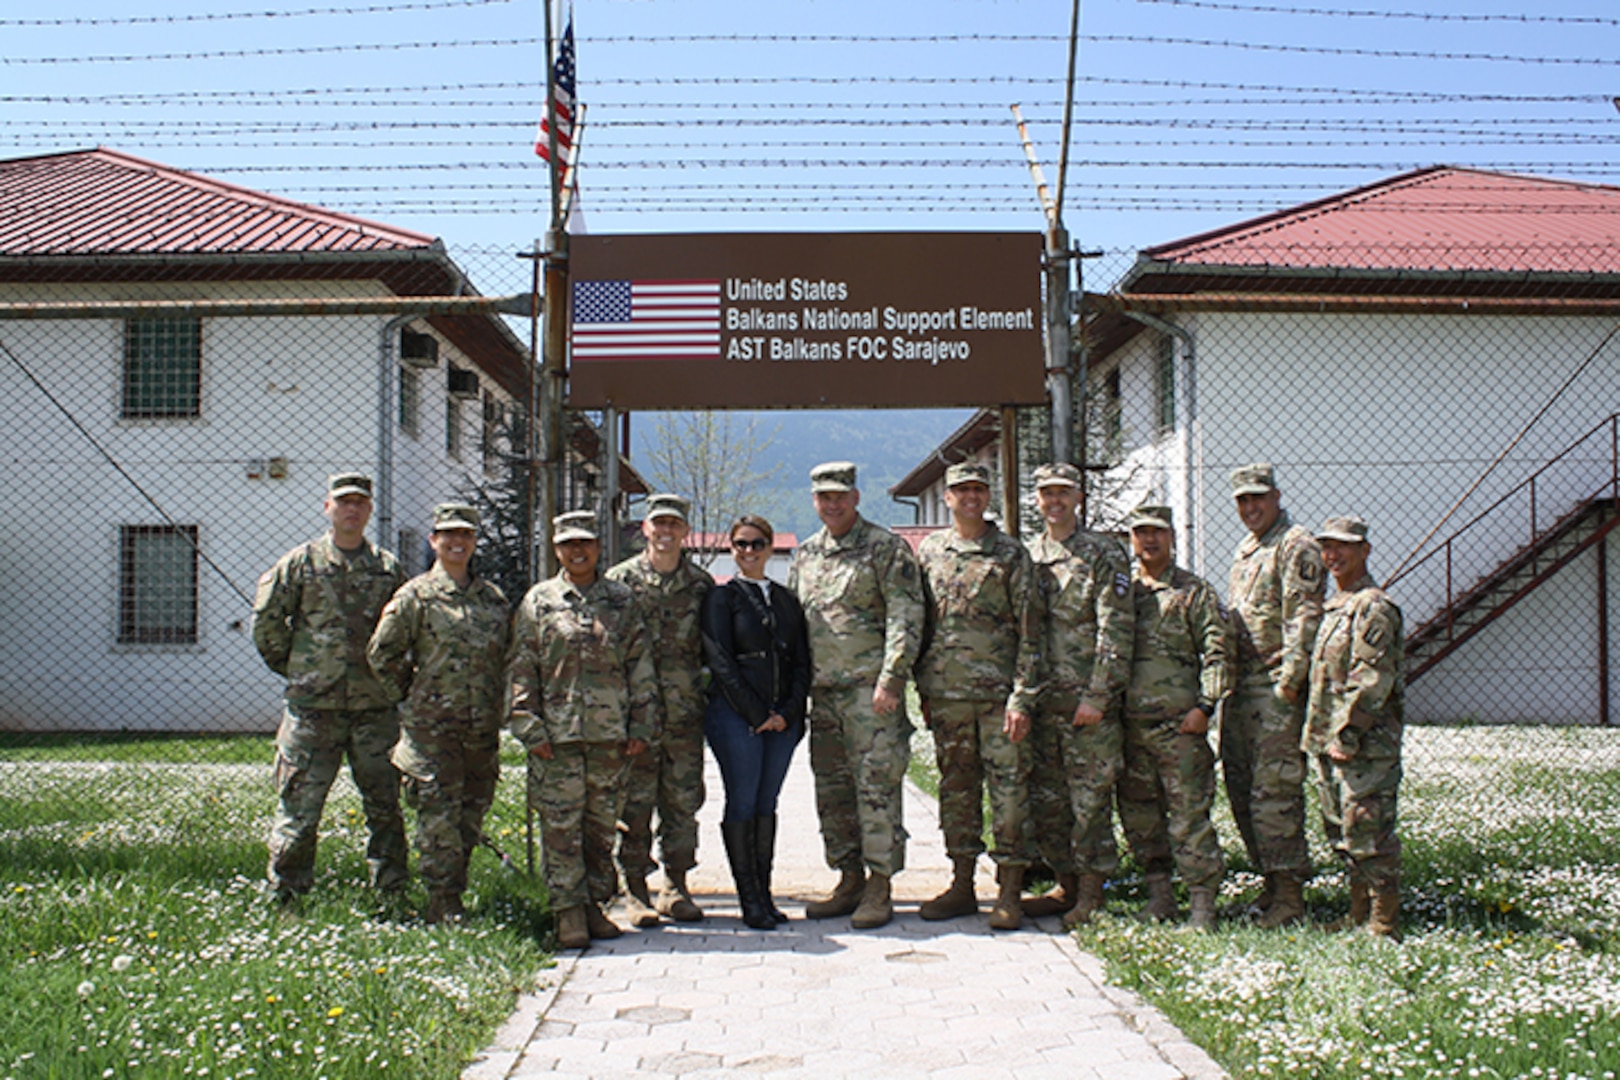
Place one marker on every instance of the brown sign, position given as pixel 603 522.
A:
pixel 756 320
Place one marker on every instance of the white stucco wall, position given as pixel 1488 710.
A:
pixel 303 389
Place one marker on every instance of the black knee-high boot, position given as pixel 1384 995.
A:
pixel 740 838
pixel 764 855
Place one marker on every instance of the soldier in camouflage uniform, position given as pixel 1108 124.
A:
pixel 584 702
pixel 669 777
pixel 978 678
pixel 1276 599
pixel 1353 727
pixel 440 648
pixel 1076 742
pixel 862 598
pixel 312 616
pixel 1180 673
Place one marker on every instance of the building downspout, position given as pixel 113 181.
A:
pixel 1193 482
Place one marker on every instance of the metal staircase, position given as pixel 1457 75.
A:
pixel 1582 484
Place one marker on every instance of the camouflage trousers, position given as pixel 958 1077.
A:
pixel 310 746
pixel 577 794
pixel 859 760
pixel 1070 824
pixel 1359 808
pixel 974 755
pixel 667 778
pixel 1165 798
pixel 450 775
pixel 1265 774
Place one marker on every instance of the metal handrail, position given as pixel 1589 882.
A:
pixel 1612 423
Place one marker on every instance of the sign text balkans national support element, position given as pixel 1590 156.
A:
pixel 794 320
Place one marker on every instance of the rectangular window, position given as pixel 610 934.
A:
pixel 1167 383
pixel 491 432
pixel 157 585
pixel 410 399
pixel 1113 411
pixel 162 369
pixel 452 427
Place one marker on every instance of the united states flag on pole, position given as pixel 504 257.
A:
pixel 562 82
pixel 646 320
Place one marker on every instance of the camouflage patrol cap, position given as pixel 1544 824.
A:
pixel 1347 528
pixel 1057 474
pixel 1150 517
pixel 1254 479
pixel 667 505
pixel 574 525
pixel 833 476
pixel 348 483
pixel 455 516
pixel 967 472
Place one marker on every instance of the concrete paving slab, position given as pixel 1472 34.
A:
pixel 820 999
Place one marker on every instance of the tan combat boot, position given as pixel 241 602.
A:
pixel 598 925
pixel 877 904
pixel 1385 920
pixel 1087 902
pixel 1287 904
pixel 1360 907
pixel 959 899
pixel 572 932
pixel 674 901
pixel 1201 908
pixel 1161 905
pixel 845 897
pixel 1056 900
pixel 638 906
pixel 1007 913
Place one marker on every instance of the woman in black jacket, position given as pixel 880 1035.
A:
pixel 755 641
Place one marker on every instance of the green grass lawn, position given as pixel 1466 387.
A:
pixel 1511 963
pixel 137 939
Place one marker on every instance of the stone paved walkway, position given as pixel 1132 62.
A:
pixel 818 999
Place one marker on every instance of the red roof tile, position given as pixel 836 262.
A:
pixel 103 202
pixel 1438 219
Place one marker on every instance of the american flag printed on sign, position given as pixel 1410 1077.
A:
pixel 646 320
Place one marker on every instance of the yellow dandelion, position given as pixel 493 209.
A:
pixel 151 935
pixel 1504 906
pixel 271 999
pixel 382 971
pixel 334 1012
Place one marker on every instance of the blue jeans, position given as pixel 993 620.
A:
pixel 752 766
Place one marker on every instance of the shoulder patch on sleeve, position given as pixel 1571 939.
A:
pixel 1122 583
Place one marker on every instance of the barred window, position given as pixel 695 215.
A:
pixel 162 369
pixel 410 399
pixel 157 585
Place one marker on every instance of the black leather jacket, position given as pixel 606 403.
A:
pixel 759 668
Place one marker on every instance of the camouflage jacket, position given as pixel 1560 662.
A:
pixel 672 605
pixel 581 670
pixel 1184 647
pixel 1090 620
pixel 312 617
pixel 1358 676
pixel 441 649
pixel 982 638
pixel 1276 595
pixel 863 602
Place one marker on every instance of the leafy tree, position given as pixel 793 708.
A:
pixel 715 459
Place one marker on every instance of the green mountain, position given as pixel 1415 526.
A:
pixel 884 443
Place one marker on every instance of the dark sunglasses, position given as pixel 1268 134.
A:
pixel 751 545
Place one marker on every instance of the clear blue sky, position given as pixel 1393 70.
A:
pixel 422 113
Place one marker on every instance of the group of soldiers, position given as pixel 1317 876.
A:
pixel 1051 677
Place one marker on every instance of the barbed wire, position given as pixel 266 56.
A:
pixel 900 163
pixel 227 16
pixel 1421 16
pixel 744 39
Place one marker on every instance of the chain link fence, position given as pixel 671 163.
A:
pixel 161 453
